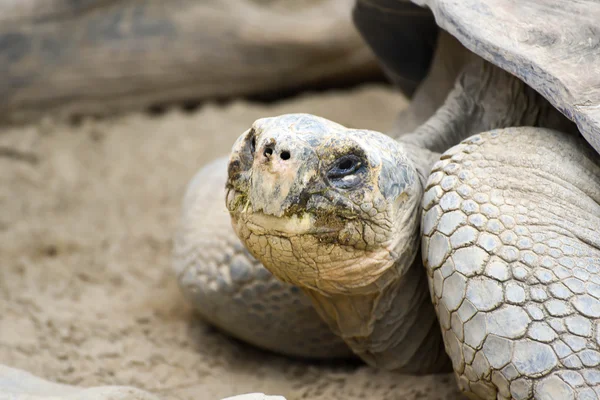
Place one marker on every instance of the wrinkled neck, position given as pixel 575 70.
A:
pixel 406 336
pixel 422 159
pixel 392 324
pixel 484 97
pixel 394 328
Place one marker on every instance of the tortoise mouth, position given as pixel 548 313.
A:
pixel 287 226
pixel 324 220
pixel 301 250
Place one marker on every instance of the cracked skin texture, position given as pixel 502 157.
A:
pixel 510 245
pixel 512 250
pixel 337 212
pixel 362 223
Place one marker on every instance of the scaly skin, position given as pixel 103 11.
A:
pixel 350 239
pixel 511 243
pixel 510 223
pixel 351 248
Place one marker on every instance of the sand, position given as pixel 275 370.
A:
pixel 87 295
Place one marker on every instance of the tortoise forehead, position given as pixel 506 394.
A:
pixel 318 142
pixel 327 137
pixel 299 124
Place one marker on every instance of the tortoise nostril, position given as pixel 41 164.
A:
pixel 285 155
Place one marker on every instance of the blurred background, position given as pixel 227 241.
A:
pixel 98 57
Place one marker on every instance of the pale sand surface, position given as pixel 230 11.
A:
pixel 87 295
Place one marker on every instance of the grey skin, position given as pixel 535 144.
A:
pixel 507 216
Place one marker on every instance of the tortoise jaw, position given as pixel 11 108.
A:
pixel 295 225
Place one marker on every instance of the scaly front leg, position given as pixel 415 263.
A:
pixel 511 243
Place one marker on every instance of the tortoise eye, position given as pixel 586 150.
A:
pixel 345 165
pixel 345 172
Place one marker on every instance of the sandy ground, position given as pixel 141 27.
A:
pixel 87 295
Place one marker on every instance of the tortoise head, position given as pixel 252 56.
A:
pixel 324 207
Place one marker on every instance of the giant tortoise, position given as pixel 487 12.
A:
pixel 470 242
